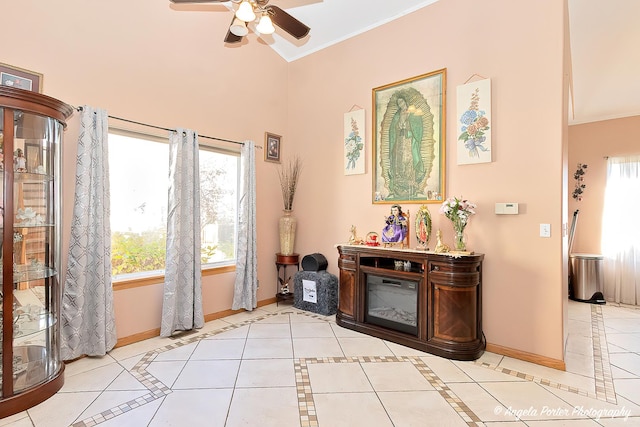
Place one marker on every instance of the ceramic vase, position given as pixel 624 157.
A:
pixel 287 226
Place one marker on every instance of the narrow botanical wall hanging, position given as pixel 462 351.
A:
pixel 474 122
pixel 354 138
pixel 578 176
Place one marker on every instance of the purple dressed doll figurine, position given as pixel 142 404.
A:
pixel 396 228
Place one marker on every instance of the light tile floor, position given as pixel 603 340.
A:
pixel 279 366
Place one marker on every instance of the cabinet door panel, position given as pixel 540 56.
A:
pixel 455 313
pixel 347 289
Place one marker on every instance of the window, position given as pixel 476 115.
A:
pixel 219 178
pixel 138 169
pixel 621 230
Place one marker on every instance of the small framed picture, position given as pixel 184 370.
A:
pixel 20 78
pixel 272 147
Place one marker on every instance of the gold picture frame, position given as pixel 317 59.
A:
pixel 272 147
pixel 409 140
pixel 20 78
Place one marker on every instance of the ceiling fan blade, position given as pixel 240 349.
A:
pixel 232 38
pixel 287 22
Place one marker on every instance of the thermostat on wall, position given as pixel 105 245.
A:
pixel 507 208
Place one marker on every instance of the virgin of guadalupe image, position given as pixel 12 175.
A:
pixel 407 145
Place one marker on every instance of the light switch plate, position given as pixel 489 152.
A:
pixel 545 230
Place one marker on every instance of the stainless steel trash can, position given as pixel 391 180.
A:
pixel 587 278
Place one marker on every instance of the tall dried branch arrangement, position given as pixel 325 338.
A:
pixel 289 174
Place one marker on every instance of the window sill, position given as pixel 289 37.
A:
pixel 154 280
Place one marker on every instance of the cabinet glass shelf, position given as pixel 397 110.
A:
pixel 30 178
pixel 28 324
pixel 24 273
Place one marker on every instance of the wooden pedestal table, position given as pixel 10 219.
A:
pixel 282 262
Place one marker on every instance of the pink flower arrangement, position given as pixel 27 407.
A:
pixel 458 211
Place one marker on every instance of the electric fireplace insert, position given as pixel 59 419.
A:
pixel 392 303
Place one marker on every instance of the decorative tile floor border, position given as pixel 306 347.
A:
pixel 156 387
pixel 306 405
pixel 604 388
pixel 603 377
pixel 538 380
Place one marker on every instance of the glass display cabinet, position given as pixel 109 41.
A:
pixel 31 127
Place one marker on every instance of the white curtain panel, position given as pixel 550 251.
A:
pixel 182 301
pixel 88 321
pixel 621 230
pixel 246 284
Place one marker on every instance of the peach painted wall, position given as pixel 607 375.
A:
pixel 523 274
pixel 152 63
pixel 589 144
pixel 155 63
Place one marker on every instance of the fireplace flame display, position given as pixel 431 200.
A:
pixel 392 303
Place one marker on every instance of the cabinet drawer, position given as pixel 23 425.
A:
pixel 455 279
pixel 445 267
pixel 347 261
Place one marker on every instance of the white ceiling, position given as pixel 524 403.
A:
pixel 605 39
pixel 333 21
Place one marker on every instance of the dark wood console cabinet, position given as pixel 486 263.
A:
pixel 449 298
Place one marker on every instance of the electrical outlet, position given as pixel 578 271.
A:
pixel 545 230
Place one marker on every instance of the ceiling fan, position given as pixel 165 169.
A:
pixel 257 10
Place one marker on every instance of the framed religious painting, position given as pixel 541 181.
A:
pixel 409 140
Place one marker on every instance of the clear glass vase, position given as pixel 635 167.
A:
pixel 460 244
pixel 287 228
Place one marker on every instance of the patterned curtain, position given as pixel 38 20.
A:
pixel 88 321
pixel 182 302
pixel 246 285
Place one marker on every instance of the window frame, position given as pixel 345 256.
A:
pixel 139 279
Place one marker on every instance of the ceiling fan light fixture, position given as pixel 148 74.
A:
pixel 245 12
pixel 265 26
pixel 239 28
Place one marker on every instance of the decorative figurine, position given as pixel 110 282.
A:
pixel 284 286
pixel 440 248
pixel 19 161
pixel 423 227
pixel 397 228
pixel 372 239
pixel 353 238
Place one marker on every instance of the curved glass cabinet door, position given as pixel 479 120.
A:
pixel 31 128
